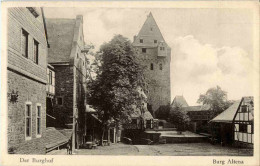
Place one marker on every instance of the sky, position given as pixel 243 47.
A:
pixel 210 47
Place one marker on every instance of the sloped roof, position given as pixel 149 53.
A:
pixel 54 138
pixel 66 132
pixel 197 108
pixel 147 115
pixel 137 114
pixel 149 30
pixel 180 100
pixel 227 115
pixel 60 37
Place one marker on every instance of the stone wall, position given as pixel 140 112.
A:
pixel 29 91
pixel 63 89
pixel 158 80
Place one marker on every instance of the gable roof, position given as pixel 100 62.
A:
pixel 180 100
pixel 60 36
pixel 149 30
pixel 227 115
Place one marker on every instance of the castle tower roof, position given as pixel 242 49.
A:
pixel 149 30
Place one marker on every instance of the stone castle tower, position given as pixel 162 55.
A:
pixel 155 54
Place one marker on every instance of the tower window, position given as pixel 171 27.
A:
pixel 141 40
pixel 143 50
pixel 160 66
pixel 155 41
pixel 162 48
pixel 151 66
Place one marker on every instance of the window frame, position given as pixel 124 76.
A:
pixel 30 128
pixel 38 117
pixel 151 66
pixel 141 40
pixel 36 57
pixel 244 107
pixel 24 32
pixel 160 66
pixel 243 128
pixel 155 41
pixel 144 50
pixel 61 100
pixel 50 77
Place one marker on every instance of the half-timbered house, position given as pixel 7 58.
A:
pixel 244 122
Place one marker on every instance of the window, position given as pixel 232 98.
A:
pixel 28 121
pixel 38 120
pixel 50 78
pixel 244 108
pixel 162 48
pixel 141 40
pixel 134 121
pixel 155 41
pixel 151 66
pixel 24 43
pixel 160 66
pixel 35 52
pixel 143 50
pixel 243 128
pixel 59 100
pixel 151 29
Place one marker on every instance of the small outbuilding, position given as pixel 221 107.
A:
pixel 236 124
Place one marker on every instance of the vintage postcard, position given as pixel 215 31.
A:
pixel 130 83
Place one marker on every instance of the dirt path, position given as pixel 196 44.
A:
pixel 191 149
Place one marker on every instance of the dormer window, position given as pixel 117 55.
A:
pixel 155 41
pixel 141 40
pixel 143 50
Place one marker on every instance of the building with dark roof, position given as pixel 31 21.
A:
pixel 67 55
pixel 199 115
pixel 155 54
pixel 180 100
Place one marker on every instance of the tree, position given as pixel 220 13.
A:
pixel 179 117
pixel 115 89
pixel 163 112
pixel 217 99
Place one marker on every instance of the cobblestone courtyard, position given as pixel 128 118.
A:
pixel 187 149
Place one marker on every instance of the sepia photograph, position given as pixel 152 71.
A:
pixel 131 81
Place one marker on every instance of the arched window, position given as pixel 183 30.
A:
pixel 151 67
pixel 160 66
